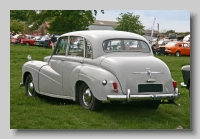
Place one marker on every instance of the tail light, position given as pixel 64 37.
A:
pixel 174 84
pixel 115 87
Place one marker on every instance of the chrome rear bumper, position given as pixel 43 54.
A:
pixel 129 97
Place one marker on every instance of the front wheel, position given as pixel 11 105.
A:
pixel 87 100
pixel 29 86
pixel 27 43
pixel 177 54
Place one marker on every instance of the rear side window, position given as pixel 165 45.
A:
pixel 88 49
pixel 76 47
pixel 121 45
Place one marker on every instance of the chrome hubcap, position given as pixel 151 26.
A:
pixel 87 97
pixel 30 88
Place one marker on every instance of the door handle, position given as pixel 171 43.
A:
pixel 81 61
pixel 62 59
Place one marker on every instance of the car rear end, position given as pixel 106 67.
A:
pixel 141 78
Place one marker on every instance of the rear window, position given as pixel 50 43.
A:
pixel 125 45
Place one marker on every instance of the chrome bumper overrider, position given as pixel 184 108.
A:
pixel 183 85
pixel 129 97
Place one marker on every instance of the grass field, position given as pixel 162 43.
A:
pixel 52 113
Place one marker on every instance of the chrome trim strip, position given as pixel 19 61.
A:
pixel 129 97
pixel 183 85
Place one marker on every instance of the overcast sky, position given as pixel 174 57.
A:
pixel 178 20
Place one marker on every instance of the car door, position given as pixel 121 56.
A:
pixel 179 47
pixel 186 49
pixel 72 64
pixel 50 76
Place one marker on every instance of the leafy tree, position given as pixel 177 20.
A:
pixel 62 21
pixel 16 25
pixel 130 23
pixel 19 15
pixel 170 32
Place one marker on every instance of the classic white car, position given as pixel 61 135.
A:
pixel 95 72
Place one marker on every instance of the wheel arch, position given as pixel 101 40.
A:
pixel 77 89
pixel 94 81
pixel 25 76
pixel 28 70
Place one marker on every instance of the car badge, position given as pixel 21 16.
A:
pixel 149 72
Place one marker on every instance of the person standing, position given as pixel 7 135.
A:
pixel 46 43
pixel 47 37
pixel 156 44
pixel 53 40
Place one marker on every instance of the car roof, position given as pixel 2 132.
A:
pixel 104 34
pixel 97 37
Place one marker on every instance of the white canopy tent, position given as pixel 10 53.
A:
pixel 186 38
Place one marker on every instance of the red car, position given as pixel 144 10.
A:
pixel 28 40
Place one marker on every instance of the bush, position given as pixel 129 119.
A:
pixel 16 26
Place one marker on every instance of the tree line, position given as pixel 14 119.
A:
pixel 63 21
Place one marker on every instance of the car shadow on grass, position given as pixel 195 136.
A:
pixel 105 106
pixel 55 101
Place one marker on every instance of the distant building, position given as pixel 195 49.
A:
pixel 148 33
pixel 103 25
pixel 97 25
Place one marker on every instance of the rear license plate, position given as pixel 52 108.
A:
pixel 150 88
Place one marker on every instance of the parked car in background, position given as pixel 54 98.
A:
pixel 42 42
pixel 16 39
pixel 39 41
pixel 95 73
pixel 28 40
pixel 161 42
pixel 186 77
pixel 176 48
pixel 37 38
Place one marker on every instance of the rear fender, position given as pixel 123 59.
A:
pixel 93 76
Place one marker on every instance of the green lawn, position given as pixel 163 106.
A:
pixel 52 113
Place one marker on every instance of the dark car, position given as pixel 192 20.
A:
pixel 186 77
pixel 160 44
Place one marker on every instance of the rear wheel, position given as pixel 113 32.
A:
pixel 87 100
pixel 177 54
pixel 29 86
